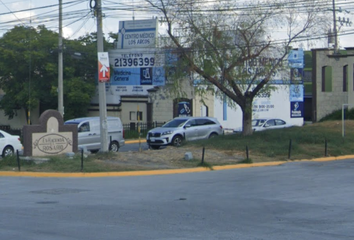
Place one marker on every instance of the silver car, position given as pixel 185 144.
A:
pixel 183 128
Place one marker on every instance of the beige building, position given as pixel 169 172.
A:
pixel 332 81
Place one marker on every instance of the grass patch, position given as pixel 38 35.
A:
pixel 247 161
pixel 307 142
pixel 205 164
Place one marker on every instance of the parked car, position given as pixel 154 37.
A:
pixel 89 133
pixel 9 144
pixel 183 128
pixel 265 123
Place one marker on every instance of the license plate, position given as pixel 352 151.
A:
pixel 152 139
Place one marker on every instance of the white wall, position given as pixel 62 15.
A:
pixel 276 106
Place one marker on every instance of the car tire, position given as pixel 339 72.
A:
pixel 213 135
pixel 177 141
pixel 154 147
pixel 8 151
pixel 114 146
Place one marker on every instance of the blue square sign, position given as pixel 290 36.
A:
pixel 296 109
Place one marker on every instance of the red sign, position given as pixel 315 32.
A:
pixel 103 67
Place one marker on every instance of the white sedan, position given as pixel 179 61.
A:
pixel 265 123
pixel 9 144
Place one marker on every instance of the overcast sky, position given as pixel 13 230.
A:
pixel 78 18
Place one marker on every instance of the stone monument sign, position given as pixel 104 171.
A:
pixel 50 137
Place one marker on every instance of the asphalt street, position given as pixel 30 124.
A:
pixel 297 200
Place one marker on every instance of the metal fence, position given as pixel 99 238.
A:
pixel 133 129
pixel 10 130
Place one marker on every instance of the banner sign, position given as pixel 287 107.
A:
pixel 296 64
pixel 137 34
pixel 103 67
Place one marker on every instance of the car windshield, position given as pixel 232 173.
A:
pixel 175 122
pixel 258 122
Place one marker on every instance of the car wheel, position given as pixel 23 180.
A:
pixel 177 141
pixel 213 135
pixel 114 146
pixel 8 151
pixel 154 147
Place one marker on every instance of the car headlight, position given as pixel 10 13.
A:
pixel 167 132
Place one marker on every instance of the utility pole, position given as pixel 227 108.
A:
pixel 60 63
pixel 335 27
pixel 101 85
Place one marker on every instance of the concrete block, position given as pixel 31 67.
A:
pixel 70 155
pixel 188 156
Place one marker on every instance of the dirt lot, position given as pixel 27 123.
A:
pixel 171 157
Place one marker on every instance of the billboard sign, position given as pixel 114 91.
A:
pixel 137 34
pixel 137 67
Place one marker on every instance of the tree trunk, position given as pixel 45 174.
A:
pixel 247 116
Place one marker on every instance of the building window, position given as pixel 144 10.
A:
pixel 139 116
pixel 345 78
pixel 132 116
pixel 326 79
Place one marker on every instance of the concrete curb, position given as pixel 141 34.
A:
pixel 165 171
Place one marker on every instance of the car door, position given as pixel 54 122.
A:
pixel 84 133
pixel 190 130
pixel 89 135
pixel 203 128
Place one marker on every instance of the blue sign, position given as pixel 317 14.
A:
pixel 296 109
pixel 296 58
pixel 296 92
pixel 184 109
pixel 138 76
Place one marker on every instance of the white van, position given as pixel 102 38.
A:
pixel 89 133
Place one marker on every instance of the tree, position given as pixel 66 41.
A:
pixel 29 72
pixel 233 48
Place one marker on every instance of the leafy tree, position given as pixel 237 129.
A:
pixel 29 71
pixel 233 49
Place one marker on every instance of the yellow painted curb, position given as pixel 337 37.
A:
pixel 165 171
pixel 135 141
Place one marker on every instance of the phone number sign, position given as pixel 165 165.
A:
pixel 143 68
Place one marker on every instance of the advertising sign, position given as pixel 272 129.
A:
pixel 296 109
pixel 103 67
pixel 296 92
pixel 184 109
pixel 137 67
pixel 137 34
pixel 296 64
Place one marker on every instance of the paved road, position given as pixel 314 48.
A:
pixel 293 201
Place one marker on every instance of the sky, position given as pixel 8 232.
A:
pixel 78 19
